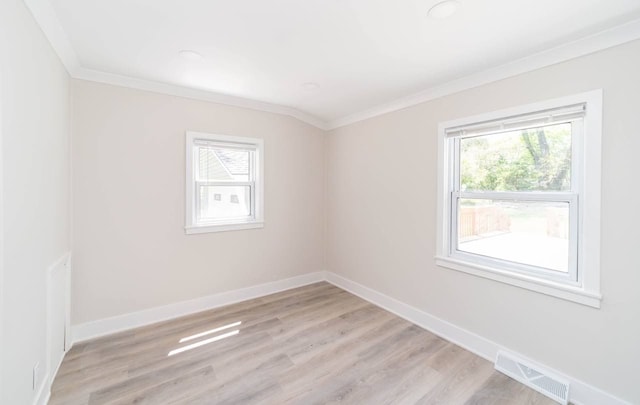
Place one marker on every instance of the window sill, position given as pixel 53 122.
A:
pixel 565 292
pixel 222 227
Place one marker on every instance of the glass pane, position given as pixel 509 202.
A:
pixel 221 202
pixel 223 164
pixel 537 159
pixel 531 233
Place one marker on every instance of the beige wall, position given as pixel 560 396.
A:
pixel 130 249
pixel 34 115
pixel 381 223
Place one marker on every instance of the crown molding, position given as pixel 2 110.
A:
pixel 593 43
pixel 196 94
pixel 46 17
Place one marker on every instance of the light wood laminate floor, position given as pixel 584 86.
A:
pixel 316 344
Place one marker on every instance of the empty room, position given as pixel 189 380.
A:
pixel 319 202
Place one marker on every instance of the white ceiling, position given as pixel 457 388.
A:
pixel 361 53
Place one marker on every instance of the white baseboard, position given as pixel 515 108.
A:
pixel 107 326
pixel 580 393
pixel 44 391
pixel 463 338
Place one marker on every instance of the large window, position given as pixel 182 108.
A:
pixel 520 196
pixel 224 183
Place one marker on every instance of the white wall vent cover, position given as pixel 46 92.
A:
pixel 533 376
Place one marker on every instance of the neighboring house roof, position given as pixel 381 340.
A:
pixel 235 161
pixel 211 167
pixel 222 164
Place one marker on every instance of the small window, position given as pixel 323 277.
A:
pixel 516 187
pixel 224 183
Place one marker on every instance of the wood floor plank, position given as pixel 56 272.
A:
pixel 250 384
pixel 316 344
pixel 167 391
pixel 502 390
pixel 310 373
pixel 458 386
pixel 133 386
pixel 346 375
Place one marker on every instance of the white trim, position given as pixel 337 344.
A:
pixel 590 44
pixel 45 16
pixel 44 391
pixel 593 98
pixel 461 337
pixel 60 265
pixel 581 393
pixel 558 290
pixel 195 94
pixel 531 120
pixel 68 340
pixel 588 291
pixel 51 370
pixel 192 230
pixel 47 19
pixel 123 322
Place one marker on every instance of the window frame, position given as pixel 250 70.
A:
pixel 256 184
pixel 582 284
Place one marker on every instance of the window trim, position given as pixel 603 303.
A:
pixel 257 201
pixel 586 289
